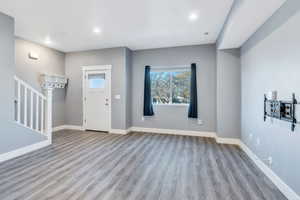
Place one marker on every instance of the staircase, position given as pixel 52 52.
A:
pixel 33 109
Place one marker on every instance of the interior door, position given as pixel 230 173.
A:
pixel 97 100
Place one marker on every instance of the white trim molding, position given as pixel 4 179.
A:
pixel 96 67
pixel 81 128
pixel 278 182
pixel 58 128
pixel 119 131
pixel 23 150
pixel 232 141
pixel 173 132
pixel 68 127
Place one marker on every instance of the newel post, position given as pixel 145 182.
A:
pixel 48 117
pixel 49 83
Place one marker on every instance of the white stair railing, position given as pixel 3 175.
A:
pixel 32 108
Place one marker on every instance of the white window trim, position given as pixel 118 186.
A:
pixel 171 104
pixel 173 67
pixel 96 67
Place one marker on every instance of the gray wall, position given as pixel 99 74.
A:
pixel 229 93
pixel 7 68
pixel 175 117
pixel 74 61
pixel 271 61
pixel 50 62
pixel 128 88
pixel 12 135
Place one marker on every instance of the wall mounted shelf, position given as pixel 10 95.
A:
pixel 53 81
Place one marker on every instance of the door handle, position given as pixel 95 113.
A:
pixel 106 104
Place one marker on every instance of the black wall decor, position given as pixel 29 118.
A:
pixel 282 110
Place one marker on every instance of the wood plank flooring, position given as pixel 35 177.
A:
pixel 137 166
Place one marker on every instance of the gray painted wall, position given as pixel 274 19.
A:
pixel 12 135
pixel 74 61
pixel 229 93
pixel 7 68
pixel 128 88
pixel 271 61
pixel 50 62
pixel 175 117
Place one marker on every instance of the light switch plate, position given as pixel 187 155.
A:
pixel 33 56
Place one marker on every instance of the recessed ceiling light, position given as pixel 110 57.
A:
pixel 193 17
pixel 97 30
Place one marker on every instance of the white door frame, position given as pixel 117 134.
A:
pixel 95 68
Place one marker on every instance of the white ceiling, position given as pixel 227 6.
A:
pixel 244 20
pixel 137 24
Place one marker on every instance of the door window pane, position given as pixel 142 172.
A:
pixel 96 81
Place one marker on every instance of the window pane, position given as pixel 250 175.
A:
pixel 181 87
pixel 96 81
pixel 160 87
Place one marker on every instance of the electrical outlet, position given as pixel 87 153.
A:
pixel 270 161
pixel 117 96
pixel 200 122
pixel 250 136
pixel 257 141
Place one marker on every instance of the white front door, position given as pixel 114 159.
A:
pixel 97 100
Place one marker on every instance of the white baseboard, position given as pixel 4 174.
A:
pixel 280 184
pixel 68 127
pixel 174 132
pixel 58 128
pixel 119 131
pixel 23 150
pixel 80 128
pixel 232 141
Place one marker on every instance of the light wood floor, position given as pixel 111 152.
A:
pixel 89 165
